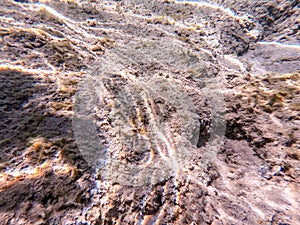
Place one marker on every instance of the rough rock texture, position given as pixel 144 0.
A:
pixel 245 51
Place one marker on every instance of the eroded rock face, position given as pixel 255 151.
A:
pixel 149 112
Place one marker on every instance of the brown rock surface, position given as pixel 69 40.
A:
pixel 185 113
